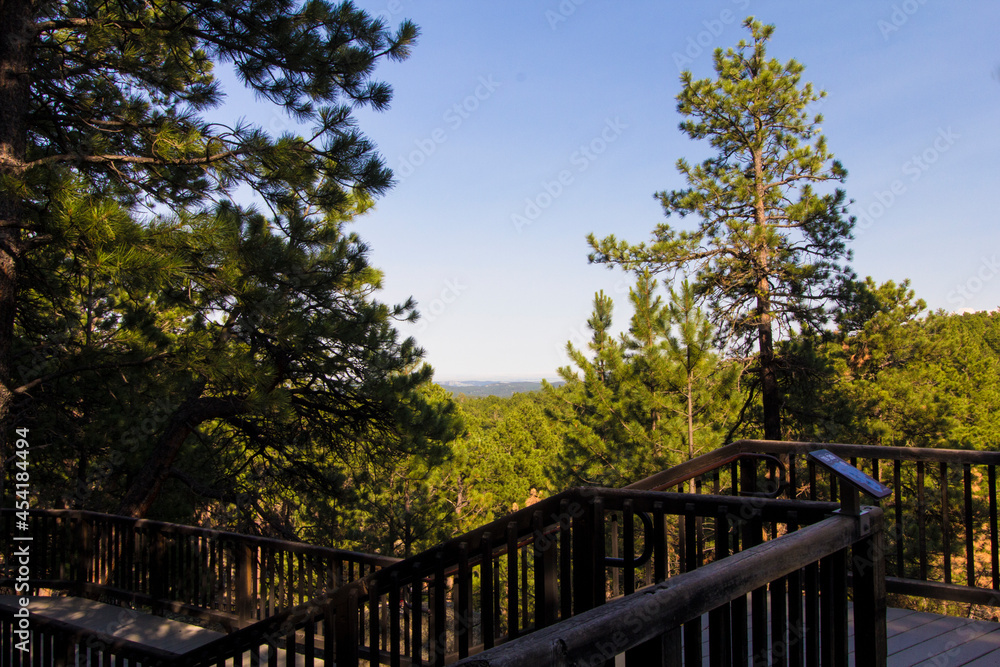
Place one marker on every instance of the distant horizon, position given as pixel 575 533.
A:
pixel 491 380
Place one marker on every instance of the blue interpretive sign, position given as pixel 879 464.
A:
pixel 846 471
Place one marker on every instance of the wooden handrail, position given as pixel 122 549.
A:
pixel 926 454
pixel 540 542
pixel 630 621
pixel 722 456
pixel 957 491
pixel 180 529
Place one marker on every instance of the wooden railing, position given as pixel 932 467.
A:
pixel 566 556
pixel 529 570
pixel 224 577
pixel 547 562
pixel 801 577
pixel 941 520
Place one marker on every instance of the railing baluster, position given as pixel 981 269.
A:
pixel 994 551
pixel 779 623
pixel 827 633
pixel 793 481
pixel 659 544
pixel 898 531
pixel 394 621
pixel 565 560
pixel 348 630
pixel 719 629
pixel 439 618
pixel 486 590
pixel 970 550
pixel 921 522
pixel 308 644
pixel 417 613
pixel 692 629
pixel 739 617
pixel 840 628
pixel 463 617
pixel 546 595
pixel 945 522
pixel 374 626
pixel 512 615
pixel 615 553
pixel 628 524
pixel 796 629
pixel 598 553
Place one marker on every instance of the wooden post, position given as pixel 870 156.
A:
pixel 81 555
pixel 868 564
pixel 245 604
pixel 347 630
pixel 546 585
pixel 157 573
pixel 584 542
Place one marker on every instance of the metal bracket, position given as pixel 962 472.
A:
pixel 864 521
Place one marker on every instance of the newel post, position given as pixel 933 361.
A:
pixel 868 565
pixel 867 558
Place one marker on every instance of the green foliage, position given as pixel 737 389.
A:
pixel 634 405
pixel 767 247
pixel 889 376
pixel 707 386
pixel 502 461
pixel 497 463
pixel 393 505
pixel 168 345
pixel 267 343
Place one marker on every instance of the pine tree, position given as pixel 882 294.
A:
pixel 600 434
pixel 767 248
pixel 634 404
pixel 647 382
pixel 158 337
pixel 111 99
pixel 707 386
pixel 892 374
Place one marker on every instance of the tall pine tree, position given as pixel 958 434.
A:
pixel 767 249
pixel 144 311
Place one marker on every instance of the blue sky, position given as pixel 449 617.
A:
pixel 518 127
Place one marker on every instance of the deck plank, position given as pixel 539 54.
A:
pixel 991 659
pixel 145 629
pixel 940 627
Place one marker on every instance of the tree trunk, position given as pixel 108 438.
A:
pixel 16 35
pixel 770 396
pixel 690 415
pixel 147 484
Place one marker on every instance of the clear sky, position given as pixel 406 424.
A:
pixel 517 127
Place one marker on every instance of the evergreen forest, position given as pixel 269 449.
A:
pixel 180 354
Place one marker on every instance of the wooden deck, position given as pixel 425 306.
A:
pixel 918 638
pixel 915 638
pixel 118 622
